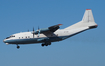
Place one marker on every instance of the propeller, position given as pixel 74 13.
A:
pixel 39 31
pixel 38 28
pixel 33 32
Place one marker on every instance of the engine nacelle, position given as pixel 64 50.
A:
pixel 41 31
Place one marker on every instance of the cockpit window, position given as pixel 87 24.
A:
pixel 10 36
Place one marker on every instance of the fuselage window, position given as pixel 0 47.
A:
pixel 57 34
pixel 28 36
pixel 38 36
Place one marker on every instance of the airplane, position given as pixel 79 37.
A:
pixel 52 34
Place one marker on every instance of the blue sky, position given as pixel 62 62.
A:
pixel 84 49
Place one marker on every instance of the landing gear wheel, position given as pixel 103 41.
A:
pixel 42 45
pixel 18 47
pixel 46 44
pixel 50 43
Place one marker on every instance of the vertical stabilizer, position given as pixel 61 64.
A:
pixel 88 16
pixel 87 21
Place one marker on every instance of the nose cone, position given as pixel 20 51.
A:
pixel 5 41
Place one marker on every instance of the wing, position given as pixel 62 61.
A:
pixel 54 28
pixel 49 29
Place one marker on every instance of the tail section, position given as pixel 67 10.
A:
pixel 87 21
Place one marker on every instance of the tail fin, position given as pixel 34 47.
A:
pixel 87 21
pixel 88 16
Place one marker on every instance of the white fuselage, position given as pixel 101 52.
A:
pixel 27 37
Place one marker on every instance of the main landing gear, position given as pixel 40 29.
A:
pixel 18 46
pixel 45 44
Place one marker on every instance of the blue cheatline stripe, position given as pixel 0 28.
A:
pixel 35 40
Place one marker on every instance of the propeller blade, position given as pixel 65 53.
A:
pixel 33 29
pixel 38 27
pixel 38 31
pixel 33 32
pixel 33 35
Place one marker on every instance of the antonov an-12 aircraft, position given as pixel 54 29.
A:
pixel 53 33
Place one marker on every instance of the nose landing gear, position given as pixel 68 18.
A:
pixel 18 46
